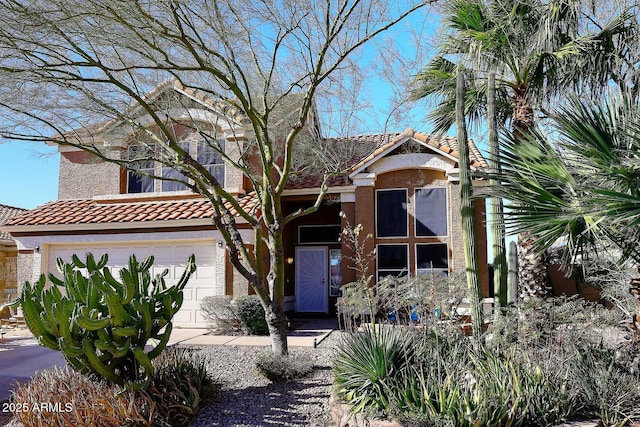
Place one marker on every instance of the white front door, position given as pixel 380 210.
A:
pixel 312 284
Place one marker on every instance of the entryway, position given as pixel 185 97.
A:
pixel 312 279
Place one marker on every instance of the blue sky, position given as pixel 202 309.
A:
pixel 29 173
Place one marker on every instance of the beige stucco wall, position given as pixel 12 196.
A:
pixel 83 175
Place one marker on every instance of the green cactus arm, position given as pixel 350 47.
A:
pixel 53 279
pixel 125 331
pixel 118 314
pixel 130 280
pixel 177 302
pixel 104 259
pixel 97 365
pixel 77 363
pixel 106 279
pixel 146 264
pixel 90 262
pixel 121 351
pixel 164 339
pixel 166 301
pixel 60 265
pixel 144 280
pixel 132 273
pixel 93 324
pixel 31 309
pixel 48 341
pixel 126 288
pixel 39 285
pixel 116 351
pixel 188 271
pixel 76 261
pixel 143 307
pixel 70 348
pixel 63 317
pixel 50 306
pixel 144 361
pixel 70 283
pixel 79 286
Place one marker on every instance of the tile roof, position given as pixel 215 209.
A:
pixel 378 144
pixel 90 211
pixel 445 144
pixel 6 213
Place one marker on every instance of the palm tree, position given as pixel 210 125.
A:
pixel 583 188
pixel 539 50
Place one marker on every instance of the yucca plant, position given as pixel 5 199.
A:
pixel 368 362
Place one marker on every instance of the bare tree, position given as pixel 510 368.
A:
pixel 81 73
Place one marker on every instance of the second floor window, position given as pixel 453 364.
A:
pixel 391 213
pixel 431 212
pixel 140 182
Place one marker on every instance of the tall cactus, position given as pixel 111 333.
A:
pixel 469 236
pixel 100 324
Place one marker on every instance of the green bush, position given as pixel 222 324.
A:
pixel 278 368
pixel 442 381
pixel 174 396
pixel 102 325
pixel 368 363
pixel 543 365
pixel 251 314
pixel 609 381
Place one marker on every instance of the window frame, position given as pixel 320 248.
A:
pixel 222 142
pixel 300 227
pixel 415 211
pixel 422 271
pixel 167 171
pixel 159 169
pixel 129 173
pixel 400 272
pixel 406 192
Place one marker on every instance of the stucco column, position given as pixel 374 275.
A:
pixel 365 212
pixel 348 208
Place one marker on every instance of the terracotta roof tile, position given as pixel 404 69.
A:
pixel 6 213
pixel 90 211
pixel 379 143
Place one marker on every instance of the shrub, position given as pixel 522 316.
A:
pixel 219 312
pixel 82 401
pixel 609 381
pixel 545 363
pixel 180 383
pixel 367 363
pixel 249 310
pixel 103 325
pixel 278 368
pixel 66 397
pixel 442 381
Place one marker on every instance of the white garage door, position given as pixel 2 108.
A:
pixel 172 256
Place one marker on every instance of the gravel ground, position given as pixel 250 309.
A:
pixel 246 399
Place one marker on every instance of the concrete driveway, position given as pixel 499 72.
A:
pixel 20 358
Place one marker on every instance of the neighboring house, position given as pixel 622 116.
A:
pixel 405 193
pixel 8 256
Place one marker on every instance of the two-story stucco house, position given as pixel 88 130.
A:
pixel 407 199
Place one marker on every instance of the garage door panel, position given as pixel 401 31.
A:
pixel 171 256
pixel 206 272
